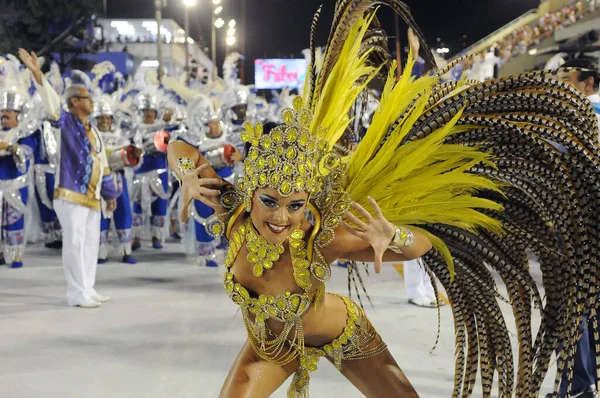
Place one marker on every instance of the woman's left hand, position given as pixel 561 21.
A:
pixel 378 231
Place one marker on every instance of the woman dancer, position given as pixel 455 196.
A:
pixel 471 169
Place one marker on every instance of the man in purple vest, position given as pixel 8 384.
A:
pixel 82 181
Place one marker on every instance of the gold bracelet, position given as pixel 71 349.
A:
pixel 185 166
pixel 403 237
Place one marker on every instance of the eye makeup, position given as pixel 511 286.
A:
pixel 296 205
pixel 271 202
pixel 268 201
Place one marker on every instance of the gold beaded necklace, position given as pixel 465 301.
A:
pixel 261 253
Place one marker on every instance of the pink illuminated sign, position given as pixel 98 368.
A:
pixel 279 73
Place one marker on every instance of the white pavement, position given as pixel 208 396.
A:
pixel 171 331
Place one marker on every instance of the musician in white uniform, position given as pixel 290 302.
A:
pixel 121 154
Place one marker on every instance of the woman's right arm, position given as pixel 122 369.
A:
pixel 198 180
pixel 181 150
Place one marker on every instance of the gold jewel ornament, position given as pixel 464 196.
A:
pixel 288 159
pixel 261 253
pixel 300 261
pixel 403 237
pixel 185 165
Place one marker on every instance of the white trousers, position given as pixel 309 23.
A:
pixel 416 281
pixel 81 239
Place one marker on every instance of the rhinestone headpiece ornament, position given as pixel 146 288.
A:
pixel 288 159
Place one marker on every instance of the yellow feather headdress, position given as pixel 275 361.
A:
pixel 416 183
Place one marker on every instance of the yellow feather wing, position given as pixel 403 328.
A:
pixel 424 181
pixel 348 78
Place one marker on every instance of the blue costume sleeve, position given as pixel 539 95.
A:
pixel 32 141
pixel 419 69
pixel 108 190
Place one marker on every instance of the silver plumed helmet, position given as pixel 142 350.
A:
pixel 146 101
pixel 201 110
pixel 235 96
pixel 180 114
pixel 12 101
pixel 102 107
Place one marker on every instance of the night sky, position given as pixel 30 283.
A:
pixel 280 28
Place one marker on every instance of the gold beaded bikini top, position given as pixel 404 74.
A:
pixel 287 307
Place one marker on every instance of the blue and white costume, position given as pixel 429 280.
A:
pixel 20 136
pixel 201 112
pixel 15 166
pixel 151 190
pixel 119 152
pixel 44 188
pixel 46 162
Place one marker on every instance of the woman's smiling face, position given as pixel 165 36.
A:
pixel 275 216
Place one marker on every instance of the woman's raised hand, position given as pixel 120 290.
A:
pixel 206 190
pixel 378 231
